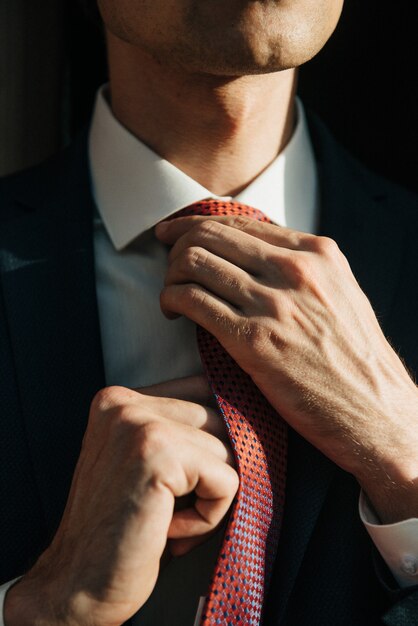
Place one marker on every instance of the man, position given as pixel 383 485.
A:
pixel 201 104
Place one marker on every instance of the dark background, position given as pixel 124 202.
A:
pixel 363 83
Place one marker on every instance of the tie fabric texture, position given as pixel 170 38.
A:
pixel 258 437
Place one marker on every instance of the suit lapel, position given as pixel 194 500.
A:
pixel 309 475
pixel 352 213
pixel 49 289
pixel 355 212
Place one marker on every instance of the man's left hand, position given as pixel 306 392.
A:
pixel 286 306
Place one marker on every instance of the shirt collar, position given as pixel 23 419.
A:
pixel 134 188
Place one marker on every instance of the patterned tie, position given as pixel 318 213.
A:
pixel 259 440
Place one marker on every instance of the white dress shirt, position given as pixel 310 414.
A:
pixel 134 189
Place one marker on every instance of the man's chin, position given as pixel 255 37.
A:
pixel 230 66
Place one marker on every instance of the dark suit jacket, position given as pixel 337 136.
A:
pixel 327 572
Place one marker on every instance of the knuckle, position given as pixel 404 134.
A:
pixel 108 398
pixel 192 296
pixel 153 436
pixel 325 246
pixel 240 222
pixel 240 285
pixel 255 335
pixel 271 303
pixel 300 269
pixel 192 258
pixel 207 228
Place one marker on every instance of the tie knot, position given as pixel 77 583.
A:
pixel 213 207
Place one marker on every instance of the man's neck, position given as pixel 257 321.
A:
pixel 220 131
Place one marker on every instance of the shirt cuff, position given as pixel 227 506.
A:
pixel 3 590
pixel 397 543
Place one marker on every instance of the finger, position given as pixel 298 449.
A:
pixel 215 491
pixel 189 414
pixel 239 248
pixel 191 388
pixel 226 280
pixel 203 307
pixel 170 231
pixel 218 446
pixel 141 408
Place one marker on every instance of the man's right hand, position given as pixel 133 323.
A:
pixel 140 452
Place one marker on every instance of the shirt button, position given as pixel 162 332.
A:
pixel 409 565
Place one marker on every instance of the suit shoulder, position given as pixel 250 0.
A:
pixel 394 196
pixel 343 169
pixel 33 186
pixel 9 207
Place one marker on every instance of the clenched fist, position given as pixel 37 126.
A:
pixel 140 452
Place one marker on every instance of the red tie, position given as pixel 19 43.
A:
pixel 259 438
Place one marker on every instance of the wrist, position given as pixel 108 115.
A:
pixel 394 499
pixel 387 466
pixel 29 602
pixel 392 487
